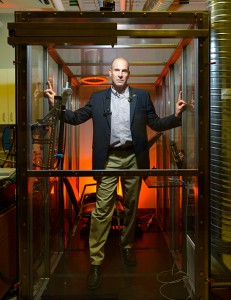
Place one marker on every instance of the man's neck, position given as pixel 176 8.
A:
pixel 119 89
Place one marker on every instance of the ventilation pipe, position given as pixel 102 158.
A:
pixel 122 5
pixel 157 5
pixel 58 5
pixel 91 56
pixel 90 74
pixel 220 128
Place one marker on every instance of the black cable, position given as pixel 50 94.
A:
pixel 7 278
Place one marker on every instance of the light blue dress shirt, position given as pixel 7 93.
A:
pixel 120 119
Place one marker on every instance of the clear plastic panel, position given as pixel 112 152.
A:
pixel 54 201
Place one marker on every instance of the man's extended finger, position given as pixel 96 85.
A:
pixel 180 96
pixel 49 84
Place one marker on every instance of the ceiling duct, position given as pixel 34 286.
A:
pixel 122 5
pixel 58 5
pixel 157 5
pixel 90 72
pixel 46 2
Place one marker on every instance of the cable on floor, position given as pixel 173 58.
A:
pixel 184 277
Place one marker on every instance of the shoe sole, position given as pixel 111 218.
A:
pixel 91 288
pixel 129 264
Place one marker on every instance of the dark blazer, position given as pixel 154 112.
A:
pixel 142 113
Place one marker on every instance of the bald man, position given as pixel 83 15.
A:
pixel 120 116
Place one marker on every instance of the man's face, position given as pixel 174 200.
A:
pixel 119 74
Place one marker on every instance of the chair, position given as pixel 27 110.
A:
pixel 84 205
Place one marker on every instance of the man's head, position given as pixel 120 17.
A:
pixel 119 74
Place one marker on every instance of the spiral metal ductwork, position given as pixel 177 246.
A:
pixel 220 130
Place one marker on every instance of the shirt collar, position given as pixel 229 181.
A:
pixel 125 93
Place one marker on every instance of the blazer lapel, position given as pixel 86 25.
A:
pixel 133 99
pixel 107 106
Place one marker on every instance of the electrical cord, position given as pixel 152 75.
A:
pixel 184 277
pixel 6 277
pixel 150 220
pixel 3 143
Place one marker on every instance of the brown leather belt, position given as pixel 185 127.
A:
pixel 121 148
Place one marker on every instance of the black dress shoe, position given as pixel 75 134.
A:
pixel 129 257
pixel 94 277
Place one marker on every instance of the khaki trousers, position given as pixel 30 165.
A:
pixel 101 216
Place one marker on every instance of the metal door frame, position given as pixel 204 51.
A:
pixel 24 31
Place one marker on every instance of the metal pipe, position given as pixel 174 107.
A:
pixel 58 5
pixel 157 5
pixel 122 5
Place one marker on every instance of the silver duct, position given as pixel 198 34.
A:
pixel 58 5
pixel 91 59
pixel 91 56
pixel 220 130
pixel 157 5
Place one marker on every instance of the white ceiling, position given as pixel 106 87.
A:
pixel 146 63
pixel 7 6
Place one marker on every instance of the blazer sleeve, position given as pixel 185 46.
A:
pixel 80 115
pixel 160 124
